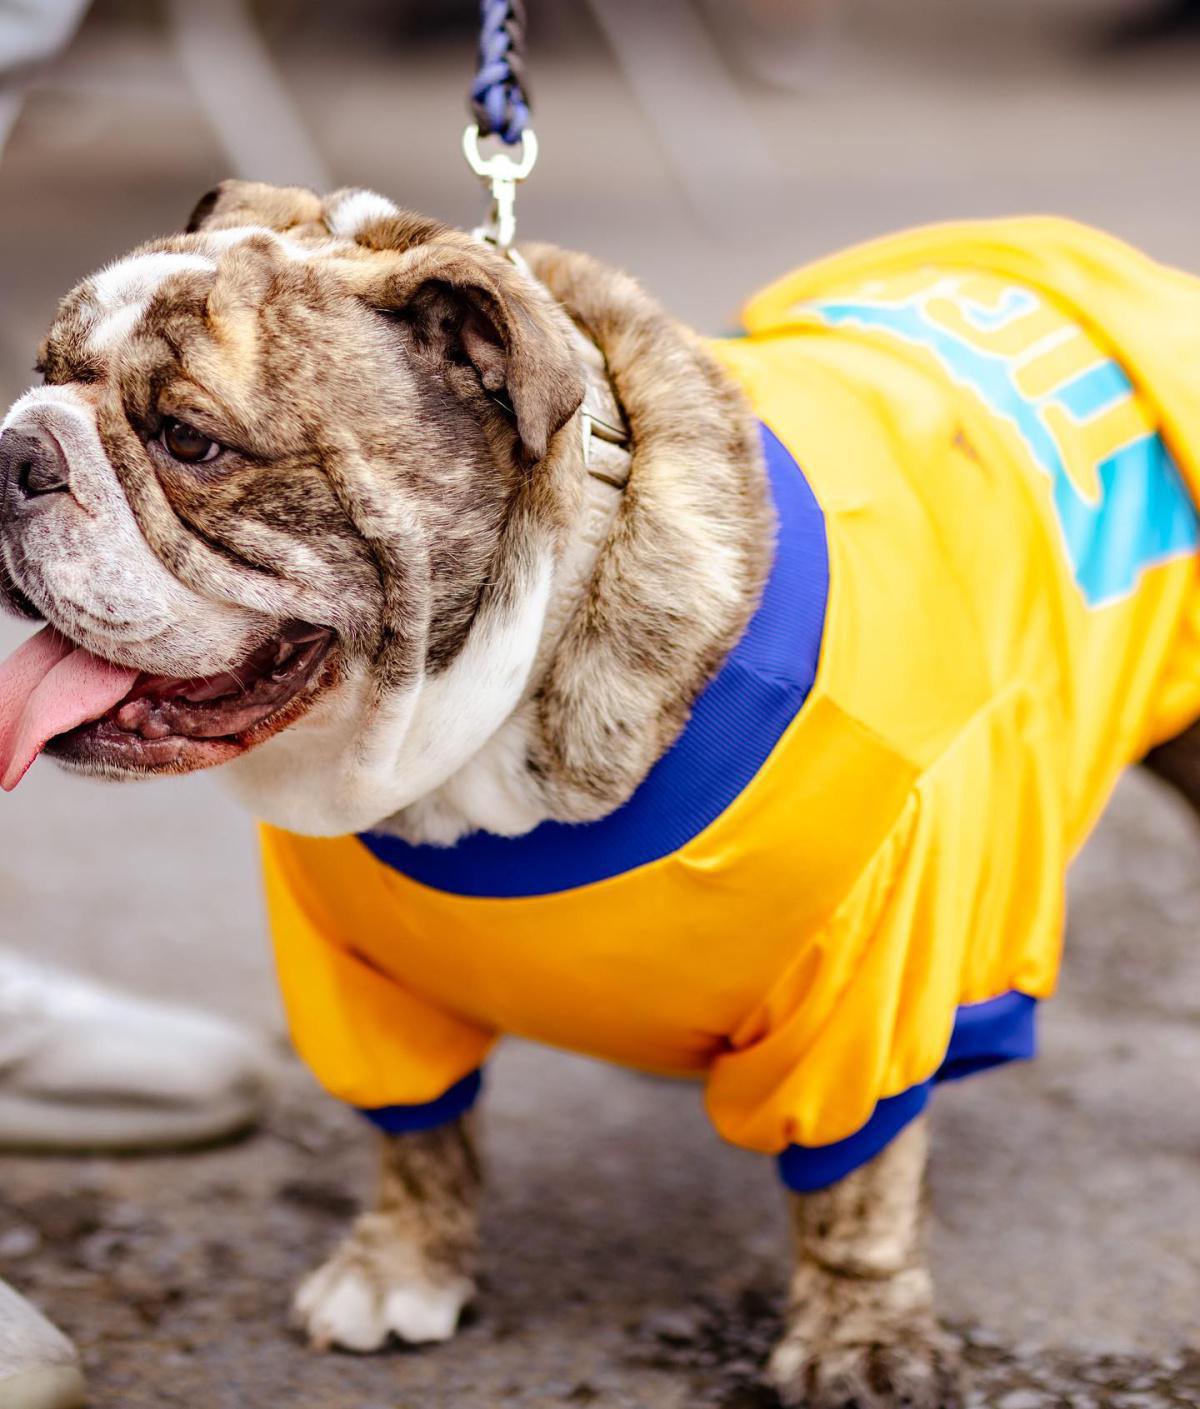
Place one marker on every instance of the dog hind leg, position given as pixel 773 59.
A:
pixel 407 1268
pixel 1178 762
pixel 861 1328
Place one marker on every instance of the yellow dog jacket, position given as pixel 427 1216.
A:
pixel 846 878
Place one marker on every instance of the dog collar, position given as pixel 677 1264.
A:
pixel 607 460
pixel 607 454
pixel 607 444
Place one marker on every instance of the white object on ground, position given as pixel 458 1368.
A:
pixel 83 1067
pixel 38 1365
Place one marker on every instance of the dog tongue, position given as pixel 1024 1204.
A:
pixel 48 686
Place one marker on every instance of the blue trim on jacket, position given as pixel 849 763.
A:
pixel 985 1035
pixel 405 1120
pixel 735 724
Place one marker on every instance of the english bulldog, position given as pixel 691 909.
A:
pixel 482 584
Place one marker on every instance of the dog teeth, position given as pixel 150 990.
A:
pixel 140 717
pixel 213 689
pixel 133 715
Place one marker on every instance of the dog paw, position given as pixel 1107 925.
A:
pixel 918 1373
pixel 867 1343
pixel 358 1300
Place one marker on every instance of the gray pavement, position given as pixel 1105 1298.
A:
pixel 632 1259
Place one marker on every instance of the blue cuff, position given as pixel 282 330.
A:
pixel 406 1120
pixel 805 1168
pixel 989 1034
pixel 985 1035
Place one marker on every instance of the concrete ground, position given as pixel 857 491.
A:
pixel 632 1259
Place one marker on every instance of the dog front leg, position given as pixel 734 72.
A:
pixel 860 1327
pixel 408 1267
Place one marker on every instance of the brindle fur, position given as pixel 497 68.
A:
pixel 696 512
pixel 420 1239
pixel 372 482
pixel 691 547
pixel 301 372
pixel 861 1327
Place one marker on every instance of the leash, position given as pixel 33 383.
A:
pixel 498 94
pixel 500 106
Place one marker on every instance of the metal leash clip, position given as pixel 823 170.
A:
pixel 500 173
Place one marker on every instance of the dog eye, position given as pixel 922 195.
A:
pixel 186 443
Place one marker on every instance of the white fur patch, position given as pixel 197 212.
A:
pixel 348 764
pixel 463 707
pixel 36 396
pixel 342 1304
pixel 491 792
pixel 221 240
pixel 122 291
pixel 425 1315
pixel 137 279
pixel 234 236
pixel 114 328
pixel 356 212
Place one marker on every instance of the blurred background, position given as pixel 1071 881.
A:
pixel 706 146
pixel 703 144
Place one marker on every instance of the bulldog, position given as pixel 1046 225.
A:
pixel 726 710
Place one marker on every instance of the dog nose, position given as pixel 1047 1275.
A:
pixel 32 464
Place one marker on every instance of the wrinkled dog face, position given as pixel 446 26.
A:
pixel 284 471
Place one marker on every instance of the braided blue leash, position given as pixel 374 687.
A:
pixel 498 98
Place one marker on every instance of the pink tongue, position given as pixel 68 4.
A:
pixel 47 686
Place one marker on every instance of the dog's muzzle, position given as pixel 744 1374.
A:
pixel 32 464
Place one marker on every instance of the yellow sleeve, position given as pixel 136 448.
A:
pixel 962 903
pixel 366 1038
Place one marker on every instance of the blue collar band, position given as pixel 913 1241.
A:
pixel 734 726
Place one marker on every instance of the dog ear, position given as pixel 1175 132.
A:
pixel 279 208
pixel 463 306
